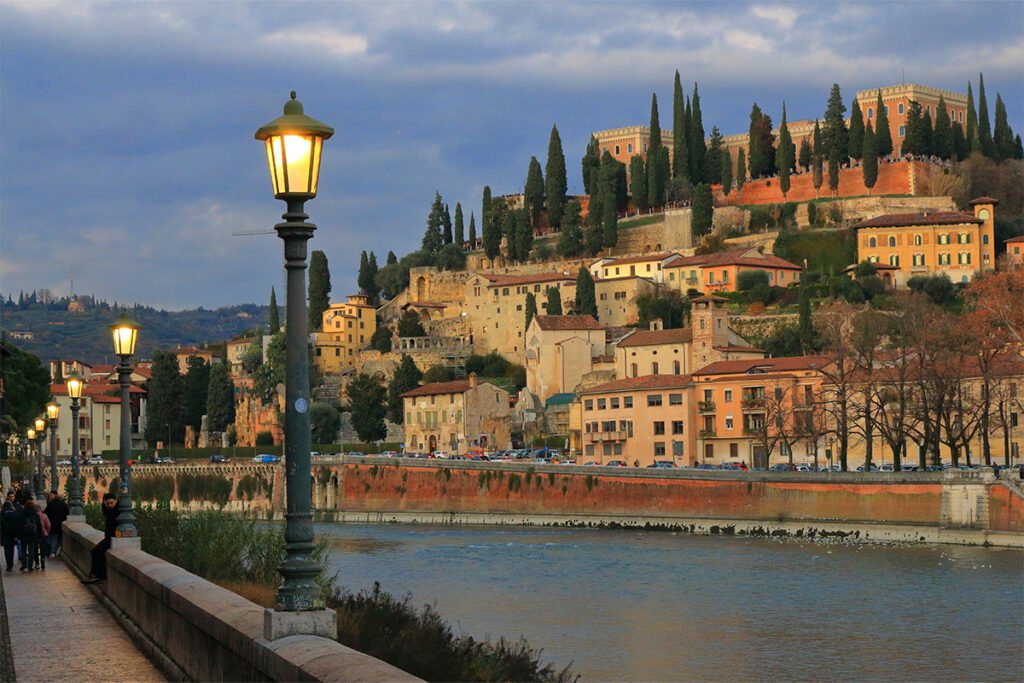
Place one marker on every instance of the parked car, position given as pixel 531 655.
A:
pixel 663 465
pixel 356 453
pixel 590 463
pixel 389 454
pixel 616 463
pixel 266 458
pixel 706 466
pixel 219 459
pixel 887 468
pixel 64 462
pixel 95 460
pixel 439 454
pixel 741 466
pixel 479 457
pixel 804 467
pixel 782 467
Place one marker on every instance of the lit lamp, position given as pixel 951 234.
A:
pixel 126 333
pixel 40 439
pixel 294 142
pixel 52 411
pixel 30 438
pixel 75 384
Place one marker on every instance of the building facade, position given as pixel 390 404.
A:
pixel 720 272
pixel 345 328
pixel 897 98
pixel 560 350
pixel 456 417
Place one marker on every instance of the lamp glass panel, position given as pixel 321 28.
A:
pixel 31 434
pixel 276 163
pixel 52 410
pixel 40 424
pixel 124 340
pixel 298 154
pixel 74 386
pixel 318 144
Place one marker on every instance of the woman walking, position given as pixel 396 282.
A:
pixel 10 528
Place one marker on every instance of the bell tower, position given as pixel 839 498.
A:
pixel 985 211
pixel 710 322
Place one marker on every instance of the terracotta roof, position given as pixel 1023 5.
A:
pixel 740 349
pixel 191 350
pixel 1018 238
pixel 680 335
pixel 709 297
pixel 733 257
pixel 459 386
pixel 641 383
pixel 567 322
pixel 509 280
pixel 984 200
pixel 642 258
pixel 758 365
pixel 899 220
pixel 877 266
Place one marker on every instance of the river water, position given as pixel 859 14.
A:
pixel 658 606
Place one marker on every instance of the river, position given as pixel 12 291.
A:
pixel 659 606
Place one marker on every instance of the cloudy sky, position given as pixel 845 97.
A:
pixel 126 128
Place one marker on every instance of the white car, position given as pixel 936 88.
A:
pixel 439 454
pixel 95 460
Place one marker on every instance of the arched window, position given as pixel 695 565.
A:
pixel 629 148
pixel 632 370
pixel 892 241
pixel 903 131
pixel 871 113
pixel 654 368
pixel 675 367
pixel 984 239
pixel 917 240
pixel 894 260
pixel 872 242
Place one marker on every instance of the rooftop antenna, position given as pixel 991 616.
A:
pixel 903 76
pixel 72 292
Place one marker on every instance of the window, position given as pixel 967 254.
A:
pixel 886 107
pixel 677 426
pixel 917 240
pixel 675 367
pixel 615 403
pixel 903 130
pixel 633 370
pixel 901 109
pixel 677 449
pixel 654 368
pixel 675 399
pixel 728 395
pixel 588 404
pixel 984 239
pixel 728 422
pixel 601 404
pixel 894 260
pixel 892 240
pixel 337 352
pixel 961 117
pixel 944 238
pixel 918 259
pixel 872 242
pixel 653 400
pixel 659 428
pixel 963 238
pixel 627 401
pixel 608 426
pixel 871 113
pixel 590 450
pixel 629 148
pixel 964 258
pixel 944 259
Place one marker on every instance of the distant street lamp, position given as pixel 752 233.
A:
pixel 52 411
pixel 125 333
pixel 75 385
pixel 40 439
pixel 294 142
pixel 30 437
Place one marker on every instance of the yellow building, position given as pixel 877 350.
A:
pixel 183 353
pixel 560 350
pixel 616 299
pixel 346 328
pixel 236 349
pixel 645 265
pixel 956 244
pixel 720 272
pixel 1015 253
pixel 456 417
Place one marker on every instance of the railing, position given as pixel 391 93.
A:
pixel 591 437
pixel 707 433
pixel 753 403
pixel 706 406
pixel 753 430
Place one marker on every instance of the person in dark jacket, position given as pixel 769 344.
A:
pixel 98 569
pixel 57 510
pixel 10 529
pixel 31 534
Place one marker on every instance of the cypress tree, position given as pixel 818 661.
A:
pixel 914 141
pixel 741 169
pixel 883 136
pixel 984 126
pixel 570 239
pixel 761 158
pixel 834 133
pixel 696 146
pixel 472 230
pixel 586 299
pixel 726 172
pixel 491 227
pixel 591 161
pixel 554 301
pixel 523 234
pixel 373 289
pixel 460 230
pixel 870 156
pixel 433 240
pixel 367 399
pixel 960 147
pixel 531 309
pixel 702 210
pixel 485 210
pixel 446 224
pixel 638 182
pixel 680 157
pixel 1002 136
pixel 713 158
pixel 928 133
pixel 806 154
pixel 972 121
pixel 816 171
pixel 943 134
pixel 555 183
pixel 609 223
pixel 784 157
pixel 656 174
pixel 856 136
pixel 806 326
pixel 533 193
pixel 274 322
pixel 220 398
pixel 1018 148
pixel 392 259
pixel 593 236
pixel 833 171
pixel 406 378
pixel 319 289
pixel 364 268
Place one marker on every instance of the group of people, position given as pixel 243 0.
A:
pixel 33 532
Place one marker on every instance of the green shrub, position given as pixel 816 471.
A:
pixel 939 288
pixel 264 439
pixel 761 218
pixel 749 279
pixel 812 213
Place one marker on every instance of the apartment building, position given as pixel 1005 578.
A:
pixel 456 417
pixel 560 350
pixel 345 328
pixel 719 272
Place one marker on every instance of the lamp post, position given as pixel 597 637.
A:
pixel 294 142
pixel 40 440
pixel 125 333
pixel 30 458
pixel 75 384
pixel 52 411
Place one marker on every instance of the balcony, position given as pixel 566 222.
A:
pixel 753 430
pixel 753 403
pixel 592 437
pixel 707 434
pixel 706 406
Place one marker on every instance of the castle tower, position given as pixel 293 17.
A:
pixel 985 210
pixel 710 323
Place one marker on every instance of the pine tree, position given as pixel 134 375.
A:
pixel 870 156
pixel 586 298
pixel 883 135
pixel 591 161
pixel 554 306
pixel 713 158
pixel 319 289
pixel 680 157
pixel 726 172
pixel 533 192
pixel 531 309
pixel 446 226
pixel 741 169
pixel 460 229
pixel 220 398
pixel 274 318
pixel 570 239
pixel 392 259
pixel 702 210
pixel 806 154
pixel 696 146
pixel 784 156
pixel 972 121
pixel 555 183
pixel 472 230
pixel 856 133
pixel 366 403
pixel 984 126
pixel 638 182
pixel 833 170
pixel 433 240
pixel 1002 136
pixel 834 134
pixel 943 135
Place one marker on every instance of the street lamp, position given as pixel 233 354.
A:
pixel 75 384
pixel 40 439
pixel 294 142
pixel 52 411
pixel 125 333
pixel 30 437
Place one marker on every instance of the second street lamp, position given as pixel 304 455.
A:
pixel 40 440
pixel 294 142
pixel 75 385
pixel 52 411
pixel 30 460
pixel 125 333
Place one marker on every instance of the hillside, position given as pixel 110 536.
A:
pixel 85 335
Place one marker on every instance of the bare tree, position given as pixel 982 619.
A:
pixel 839 371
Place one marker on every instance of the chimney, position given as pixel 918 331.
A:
pixel 472 380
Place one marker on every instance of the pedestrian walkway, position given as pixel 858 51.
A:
pixel 60 632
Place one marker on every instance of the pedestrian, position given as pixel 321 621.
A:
pixel 57 512
pixel 98 568
pixel 44 539
pixel 31 532
pixel 10 527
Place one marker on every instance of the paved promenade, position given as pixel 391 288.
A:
pixel 60 632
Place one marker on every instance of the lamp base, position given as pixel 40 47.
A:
pixel 80 519
pixel 321 622
pixel 125 542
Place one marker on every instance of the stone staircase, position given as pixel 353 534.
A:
pixel 328 392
